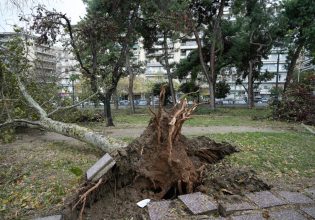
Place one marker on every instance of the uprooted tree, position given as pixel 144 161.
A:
pixel 161 161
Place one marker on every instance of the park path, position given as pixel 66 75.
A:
pixel 137 131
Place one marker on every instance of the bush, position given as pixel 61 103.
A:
pixel 297 104
pixel 79 115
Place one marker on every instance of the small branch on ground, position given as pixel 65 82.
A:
pixel 83 197
pixel 71 106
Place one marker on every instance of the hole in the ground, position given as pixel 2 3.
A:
pixel 171 193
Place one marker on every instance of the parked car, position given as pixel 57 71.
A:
pixel 155 101
pixel 142 102
pixel 241 101
pixel 124 102
pixel 264 100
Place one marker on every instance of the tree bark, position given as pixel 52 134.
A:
pixel 292 65
pixel 107 144
pixel 107 109
pixel 130 86
pixel 205 71
pixel 115 97
pixel 213 75
pixel 168 70
pixel 250 90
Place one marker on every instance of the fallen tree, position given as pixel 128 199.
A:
pixel 161 163
pixel 107 144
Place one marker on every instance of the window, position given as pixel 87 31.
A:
pixel 182 53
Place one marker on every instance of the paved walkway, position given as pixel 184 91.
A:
pixel 275 205
pixel 264 205
pixel 137 131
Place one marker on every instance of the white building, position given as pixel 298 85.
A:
pixel 51 64
pixel 68 71
pixel 180 49
pixel 42 57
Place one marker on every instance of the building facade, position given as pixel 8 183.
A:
pixel 50 64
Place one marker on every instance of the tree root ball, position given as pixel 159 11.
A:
pixel 166 163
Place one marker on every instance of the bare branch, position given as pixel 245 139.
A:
pixel 19 122
pixel 71 106
pixel 30 99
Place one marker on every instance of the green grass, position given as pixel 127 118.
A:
pixel 205 117
pixel 38 175
pixel 277 154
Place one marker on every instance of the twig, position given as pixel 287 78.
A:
pixel 71 106
pixel 82 198
pixel 308 128
pixel 19 121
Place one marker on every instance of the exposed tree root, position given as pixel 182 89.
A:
pixel 84 196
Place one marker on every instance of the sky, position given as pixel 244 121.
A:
pixel 9 13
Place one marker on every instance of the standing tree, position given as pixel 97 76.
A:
pixel 101 55
pixel 207 17
pixel 299 25
pixel 254 39
pixel 162 17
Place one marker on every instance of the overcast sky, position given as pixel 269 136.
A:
pixel 9 13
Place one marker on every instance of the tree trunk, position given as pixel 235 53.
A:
pixel 168 70
pixel 213 75
pixel 107 109
pixel 205 71
pixel 130 86
pixel 292 65
pixel 250 90
pixel 115 97
pixel 212 96
pixel 107 144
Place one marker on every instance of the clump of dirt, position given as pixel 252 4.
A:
pixel 224 180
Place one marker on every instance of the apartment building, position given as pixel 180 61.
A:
pixel 68 71
pixel 180 49
pixel 43 58
pixel 51 64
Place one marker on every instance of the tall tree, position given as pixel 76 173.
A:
pixel 207 17
pixel 254 39
pixel 162 16
pixel 299 16
pixel 100 42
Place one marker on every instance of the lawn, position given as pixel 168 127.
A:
pixel 203 116
pixel 275 154
pixel 36 176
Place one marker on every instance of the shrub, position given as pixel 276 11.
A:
pixel 297 104
pixel 79 115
